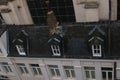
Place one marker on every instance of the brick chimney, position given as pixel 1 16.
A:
pixel 51 19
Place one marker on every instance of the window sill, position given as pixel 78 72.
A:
pixel 70 79
pixel 25 74
pixel 56 78
pixel 40 76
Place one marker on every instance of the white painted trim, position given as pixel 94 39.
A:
pixel 56 50
pixel 97 49
pixel 19 51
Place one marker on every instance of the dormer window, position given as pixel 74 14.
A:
pixel 20 49
pixel 56 50
pixel 96 50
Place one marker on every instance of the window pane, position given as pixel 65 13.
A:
pixel 87 74
pixel 21 69
pixel 57 72
pixel 73 73
pixel 35 71
pixel 0 50
pixel 110 75
pixel 52 71
pixel 25 69
pixel 9 69
pixel 93 74
pixel 39 70
pixel 104 75
pixel 6 69
pixel 67 73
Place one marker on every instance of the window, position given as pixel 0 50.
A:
pixel 20 49
pixel 22 68
pixel 54 70
pixel 89 73
pixel 96 50
pixel 36 69
pixel 69 71
pixel 107 73
pixel 6 67
pixel 0 51
pixel 55 50
pixel 4 77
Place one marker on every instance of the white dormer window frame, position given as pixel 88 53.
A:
pixel 96 50
pixel 56 50
pixel 21 49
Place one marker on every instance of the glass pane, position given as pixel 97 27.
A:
pixel 6 69
pixel 26 71
pixel 39 70
pixel 57 72
pixel 93 74
pixel 35 71
pixel 67 73
pixel 52 72
pixel 87 74
pixel 21 69
pixel 104 75
pixel 73 73
pixel 9 69
pixel 110 75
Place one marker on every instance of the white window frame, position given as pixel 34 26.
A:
pixel 23 69
pixel 88 73
pixel 106 72
pixel 70 70
pixel 20 49
pixel 36 69
pixel 56 50
pixel 54 70
pixel 96 50
pixel 6 67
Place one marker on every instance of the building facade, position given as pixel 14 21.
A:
pixel 22 12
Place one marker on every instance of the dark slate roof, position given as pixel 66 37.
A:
pixel 76 36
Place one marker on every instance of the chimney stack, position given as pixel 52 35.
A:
pixel 51 19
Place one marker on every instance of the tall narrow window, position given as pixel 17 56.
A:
pixel 6 67
pixel 54 70
pixel 56 50
pixel 96 50
pixel 69 71
pixel 4 77
pixel 22 68
pixel 89 73
pixel 0 51
pixel 107 73
pixel 20 49
pixel 36 69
